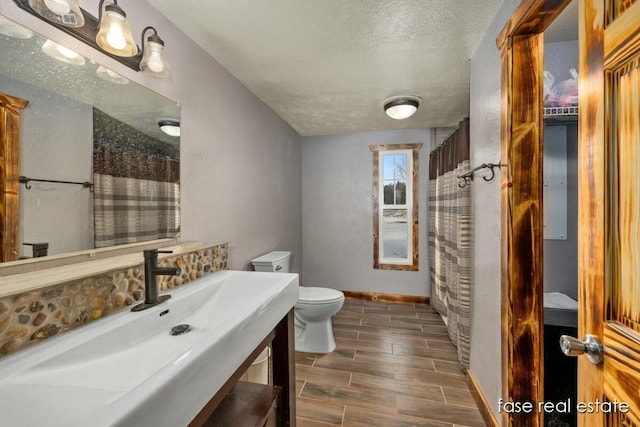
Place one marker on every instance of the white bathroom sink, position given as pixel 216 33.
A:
pixel 128 370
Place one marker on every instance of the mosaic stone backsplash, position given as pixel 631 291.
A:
pixel 30 317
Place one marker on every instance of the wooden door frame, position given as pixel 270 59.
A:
pixel 9 170
pixel 591 196
pixel 522 132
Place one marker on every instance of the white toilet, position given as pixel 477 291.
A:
pixel 313 311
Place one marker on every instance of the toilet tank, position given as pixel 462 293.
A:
pixel 276 261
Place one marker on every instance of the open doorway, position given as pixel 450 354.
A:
pixel 560 211
pixel 522 132
pixel 608 165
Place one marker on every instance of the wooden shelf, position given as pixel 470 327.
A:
pixel 560 115
pixel 247 405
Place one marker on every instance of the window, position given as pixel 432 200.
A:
pixel 395 206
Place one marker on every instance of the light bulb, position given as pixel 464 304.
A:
pixel 112 74
pixel 62 53
pixel 115 38
pixel 155 63
pixel 66 52
pixel 154 60
pixel 59 7
pixel 115 35
pixel 11 29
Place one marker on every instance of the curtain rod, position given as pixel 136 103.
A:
pixel 25 180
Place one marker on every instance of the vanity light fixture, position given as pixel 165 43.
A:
pixel 14 30
pixel 109 33
pixel 154 57
pixel 170 126
pixel 114 32
pixel 62 53
pixel 402 107
pixel 62 12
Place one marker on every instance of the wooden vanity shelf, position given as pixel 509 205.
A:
pixel 247 405
pixel 243 404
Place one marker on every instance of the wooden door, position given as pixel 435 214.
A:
pixel 10 107
pixel 609 210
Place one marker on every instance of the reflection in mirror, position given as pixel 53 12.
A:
pixel 84 122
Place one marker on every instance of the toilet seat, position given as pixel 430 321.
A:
pixel 315 296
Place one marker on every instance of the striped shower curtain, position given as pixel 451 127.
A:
pixel 450 238
pixel 136 185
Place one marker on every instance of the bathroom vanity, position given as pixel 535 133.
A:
pixel 128 369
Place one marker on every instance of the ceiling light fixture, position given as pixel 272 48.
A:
pixel 402 107
pixel 14 30
pixel 154 57
pixel 62 12
pixel 114 33
pixel 61 53
pixel 170 126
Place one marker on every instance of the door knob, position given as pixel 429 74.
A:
pixel 591 346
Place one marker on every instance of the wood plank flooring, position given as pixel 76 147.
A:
pixel 394 366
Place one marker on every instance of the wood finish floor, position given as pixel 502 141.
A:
pixel 394 366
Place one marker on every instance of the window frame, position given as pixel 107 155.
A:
pixel 411 263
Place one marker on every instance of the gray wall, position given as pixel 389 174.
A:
pixel 240 163
pixel 61 215
pixel 337 215
pixel 484 118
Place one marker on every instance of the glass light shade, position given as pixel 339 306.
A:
pixel 62 53
pixel 154 59
pixel 14 30
pixel 401 112
pixel 401 108
pixel 170 126
pixel 114 35
pixel 111 76
pixel 62 12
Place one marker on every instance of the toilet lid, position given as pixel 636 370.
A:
pixel 311 295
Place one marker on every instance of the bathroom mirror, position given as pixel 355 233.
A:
pixel 74 105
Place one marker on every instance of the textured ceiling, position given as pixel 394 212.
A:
pixel 326 66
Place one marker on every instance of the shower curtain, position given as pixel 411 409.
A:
pixel 450 238
pixel 136 185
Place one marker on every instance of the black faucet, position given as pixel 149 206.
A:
pixel 151 270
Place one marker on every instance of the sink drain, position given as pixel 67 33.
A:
pixel 180 329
